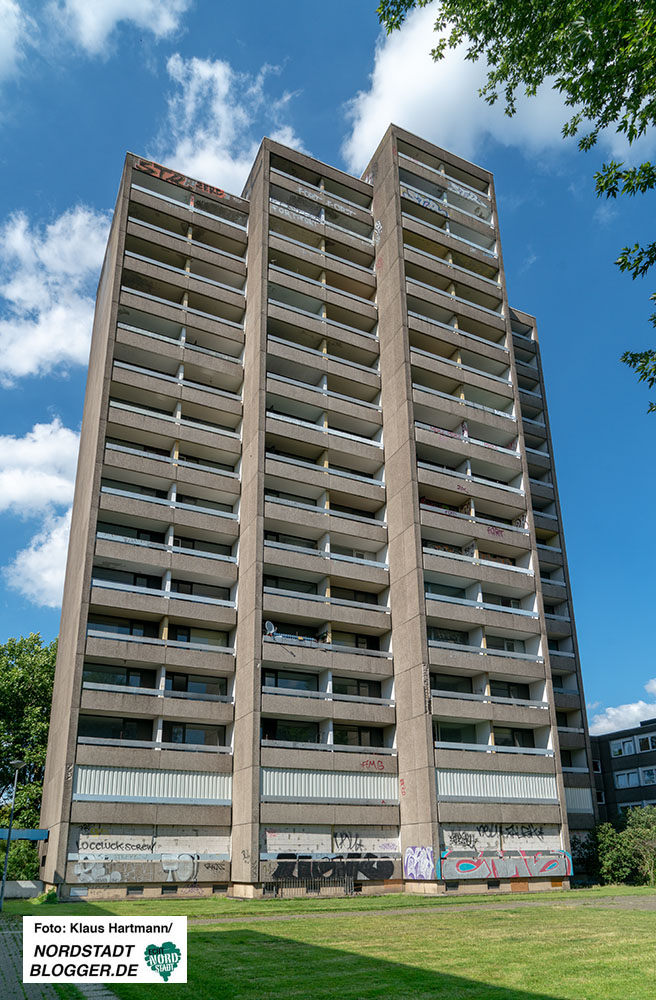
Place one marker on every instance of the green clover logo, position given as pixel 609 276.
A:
pixel 163 958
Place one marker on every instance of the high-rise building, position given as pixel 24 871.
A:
pixel 317 629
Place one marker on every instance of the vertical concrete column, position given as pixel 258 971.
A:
pixel 409 639
pixel 246 763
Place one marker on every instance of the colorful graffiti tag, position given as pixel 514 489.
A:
pixel 419 863
pixel 501 864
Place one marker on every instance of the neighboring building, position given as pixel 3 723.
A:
pixel 624 765
pixel 316 531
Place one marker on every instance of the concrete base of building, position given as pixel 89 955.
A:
pixel 247 890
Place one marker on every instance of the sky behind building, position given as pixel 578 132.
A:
pixel 196 85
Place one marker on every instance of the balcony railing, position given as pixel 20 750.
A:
pixel 330 747
pixel 489 698
pixel 322 319
pixel 187 383
pixel 144 640
pixel 492 748
pixel 320 553
pixel 325 392
pixel 176 504
pixel 454 298
pixel 471 517
pixel 480 604
pixel 181 342
pixel 320 252
pixel 180 421
pixel 463 402
pixel 323 356
pixel 457 330
pixel 152 745
pixel 186 240
pixel 291 639
pixel 166 594
pixel 170 460
pixel 158 692
pixel 475 561
pixel 327 511
pixel 185 274
pixel 239 325
pixel 324 430
pixel 484 651
pixel 459 365
pixel 186 204
pixel 467 439
pixel 324 285
pixel 106 537
pixel 327 696
pixel 272 456
pixel 322 599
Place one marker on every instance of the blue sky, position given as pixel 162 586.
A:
pixel 196 84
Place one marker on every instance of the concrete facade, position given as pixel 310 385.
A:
pixel 317 627
pixel 624 766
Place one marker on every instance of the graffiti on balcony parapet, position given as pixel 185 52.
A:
pixel 361 867
pixel 419 863
pixel 173 177
pixel 494 865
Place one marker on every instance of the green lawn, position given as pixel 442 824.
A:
pixel 220 906
pixel 529 954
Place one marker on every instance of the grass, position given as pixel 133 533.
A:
pixel 568 946
pixel 220 906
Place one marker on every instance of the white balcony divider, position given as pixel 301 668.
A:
pixel 131 784
pixel 295 785
pixel 495 786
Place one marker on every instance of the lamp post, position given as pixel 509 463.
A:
pixel 18 765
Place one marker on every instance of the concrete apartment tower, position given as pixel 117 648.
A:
pixel 317 630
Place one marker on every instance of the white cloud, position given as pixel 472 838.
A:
pixel 625 716
pixel 14 36
pixel 37 476
pixel 91 23
pixel 37 471
pixel 440 102
pixel 37 572
pixel 217 117
pixel 48 276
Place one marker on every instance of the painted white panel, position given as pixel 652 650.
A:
pixel 495 786
pixel 113 839
pixel 327 786
pixel 329 840
pixel 501 836
pixel 579 800
pixel 127 784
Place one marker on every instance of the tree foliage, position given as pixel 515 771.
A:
pixel 27 669
pixel 620 852
pixel 601 57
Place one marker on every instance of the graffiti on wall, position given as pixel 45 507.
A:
pixel 185 869
pixel 501 837
pixel 364 868
pixel 326 841
pixel 173 177
pixel 423 200
pixel 419 863
pixel 516 864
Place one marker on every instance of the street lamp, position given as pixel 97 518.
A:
pixel 18 765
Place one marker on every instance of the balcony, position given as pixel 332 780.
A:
pixel 196 204
pixel 492 749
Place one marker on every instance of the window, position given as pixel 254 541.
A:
pixel 357 736
pixel 622 748
pixel 561 720
pixel 601 798
pixel 436 634
pixel 356 640
pixel 291 497
pixel 566 758
pixel 506 737
pixel 290 731
pixel 493 557
pixel 357 596
pixel 286 583
pixel 647 742
pixel 103 673
pixel 441 547
pixel 627 779
pixel 203 502
pixel 135 890
pixel 195 684
pixel 445 682
pixel 104 727
pixel 200 590
pixel 192 733
pixel 356 688
pixel 169 890
pixel 596 766
pixel 283 539
pixel 453 732
pixel 509 689
pixel 201 636
pixel 507 645
pixel 648 775
pixel 123 626
pixel 198 545
pixel 441 590
pixel 290 679
pixel 125 531
pixel 501 601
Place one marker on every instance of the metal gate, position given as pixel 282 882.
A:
pixel 289 887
